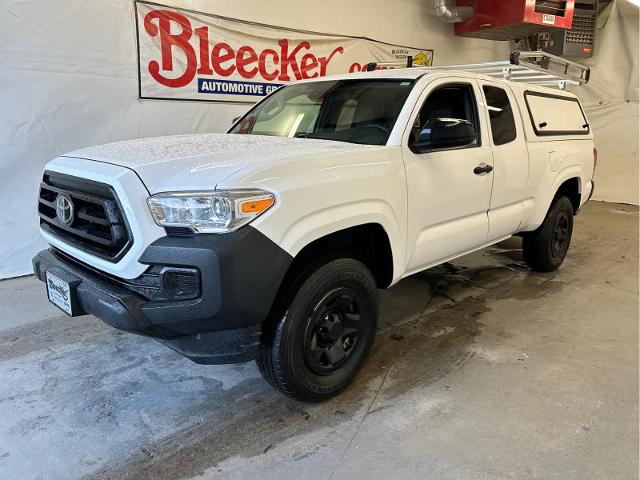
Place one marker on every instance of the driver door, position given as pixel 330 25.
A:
pixel 449 188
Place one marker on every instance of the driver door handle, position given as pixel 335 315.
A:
pixel 483 169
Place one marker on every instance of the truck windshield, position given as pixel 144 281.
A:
pixel 356 111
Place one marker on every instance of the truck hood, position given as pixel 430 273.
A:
pixel 200 162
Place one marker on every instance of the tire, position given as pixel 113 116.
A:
pixel 319 343
pixel 545 249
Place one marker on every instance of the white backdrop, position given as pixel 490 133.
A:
pixel 68 74
pixel 611 103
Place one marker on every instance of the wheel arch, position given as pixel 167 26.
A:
pixel 297 236
pixel 568 184
pixel 368 243
pixel 572 189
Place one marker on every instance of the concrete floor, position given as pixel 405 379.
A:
pixel 482 370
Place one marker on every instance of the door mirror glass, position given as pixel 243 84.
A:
pixel 440 133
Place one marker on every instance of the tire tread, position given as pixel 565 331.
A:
pixel 273 351
pixel 535 244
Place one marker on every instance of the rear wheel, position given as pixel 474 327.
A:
pixel 319 344
pixel 545 249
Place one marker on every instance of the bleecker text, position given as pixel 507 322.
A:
pixel 285 62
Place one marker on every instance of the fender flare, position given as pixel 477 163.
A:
pixel 321 223
pixel 542 205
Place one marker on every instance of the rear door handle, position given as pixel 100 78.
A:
pixel 483 169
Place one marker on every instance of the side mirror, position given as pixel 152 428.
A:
pixel 235 119
pixel 440 133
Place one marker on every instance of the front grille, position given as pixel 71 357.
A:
pixel 97 225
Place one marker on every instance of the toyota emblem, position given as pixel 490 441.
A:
pixel 64 209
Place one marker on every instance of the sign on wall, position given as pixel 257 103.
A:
pixel 187 55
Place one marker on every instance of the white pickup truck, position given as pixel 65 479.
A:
pixel 269 242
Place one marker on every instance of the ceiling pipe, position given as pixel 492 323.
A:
pixel 447 11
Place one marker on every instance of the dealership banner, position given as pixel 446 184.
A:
pixel 187 55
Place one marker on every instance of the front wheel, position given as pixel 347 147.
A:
pixel 321 341
pixel 544 250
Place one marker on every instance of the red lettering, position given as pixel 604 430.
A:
pixel 167 42
pixel 356 67
pixel 324 62
pixel 218 58
pixel 175 32
pixel 287 60
pixel 307 63
pixel 205 65
pixel 246 56
pixel 262 64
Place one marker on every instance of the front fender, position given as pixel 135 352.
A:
pixel 316 225
pixel 325 194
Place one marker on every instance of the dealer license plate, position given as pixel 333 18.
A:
pixel 60 293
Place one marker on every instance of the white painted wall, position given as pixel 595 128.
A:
pixel 611 103
pixel 68 78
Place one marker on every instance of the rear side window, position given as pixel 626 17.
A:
pixel 556 115
pixel 503 125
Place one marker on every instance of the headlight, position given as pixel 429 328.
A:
pixel 209 212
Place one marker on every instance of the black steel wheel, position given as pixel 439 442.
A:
pixel 546 248
pixel 325 333
pixel 560 237
pixel 334 331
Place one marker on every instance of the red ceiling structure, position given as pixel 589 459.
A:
pixel 515 19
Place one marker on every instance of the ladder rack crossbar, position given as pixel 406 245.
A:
pixel 539 68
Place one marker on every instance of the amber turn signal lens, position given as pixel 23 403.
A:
pixel 256 206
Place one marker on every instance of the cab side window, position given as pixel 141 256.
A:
pixel 503 125
pixel 448 119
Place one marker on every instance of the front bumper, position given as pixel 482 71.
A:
pixel 240 275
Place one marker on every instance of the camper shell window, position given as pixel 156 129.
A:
pixel 556 115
